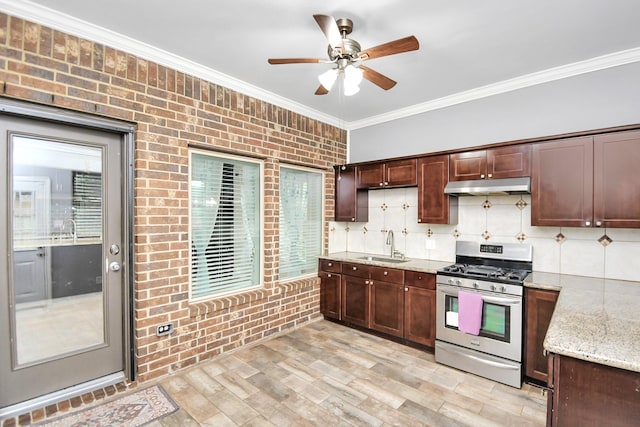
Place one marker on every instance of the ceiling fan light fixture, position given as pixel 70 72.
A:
pixel 352 79
pixel 328 78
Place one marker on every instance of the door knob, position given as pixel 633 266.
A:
pixel 114 266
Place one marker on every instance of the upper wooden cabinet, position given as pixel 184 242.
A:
pixel 587 182
pixel 434 206
pixel 502 162
pixel 395 173
pixel 351 204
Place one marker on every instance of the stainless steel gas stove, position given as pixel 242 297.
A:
pixel 496 272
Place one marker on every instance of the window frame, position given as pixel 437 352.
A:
pixel 322 174
pixel 261 210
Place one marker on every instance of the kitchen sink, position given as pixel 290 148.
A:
pixel 384 259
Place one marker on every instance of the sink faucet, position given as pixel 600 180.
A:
pixel 73 227
pixel 391 241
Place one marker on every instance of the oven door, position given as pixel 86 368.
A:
pixel 501 330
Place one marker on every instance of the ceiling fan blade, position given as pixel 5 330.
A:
pixel 276 61
pixel 321 90
pixel 330 29
pixel 406 44
pixel 376 78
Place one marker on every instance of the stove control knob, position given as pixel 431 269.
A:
pixel 450 281
pixel 503 289
pixel 475 285
pixel 458 282
pixel 493 287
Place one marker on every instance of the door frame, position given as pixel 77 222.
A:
pixel 58 115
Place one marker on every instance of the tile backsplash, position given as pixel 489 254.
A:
pixel 598 252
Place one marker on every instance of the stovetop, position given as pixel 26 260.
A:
pixel 486 272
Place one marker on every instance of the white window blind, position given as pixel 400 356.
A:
pixel 87 204
pixel 225 225
pixel 301 204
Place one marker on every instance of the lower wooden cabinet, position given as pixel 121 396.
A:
pixel 420 308
pixel 330 289
pixel 589 394
pixel 392 301
pixel 539 306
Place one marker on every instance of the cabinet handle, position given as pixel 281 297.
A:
pixel 386 273
pixel 371 282
pixel 419 277
pixel 489 175
pixel 329 275
pixel 482 176
pixel 386 183
pixel 381 184
pixel 353 219
pixel 598 223
pixel 366 282
pixel 419 220
pixel 330 264
pixel 354 268
pixel 406 289
pixel 587 223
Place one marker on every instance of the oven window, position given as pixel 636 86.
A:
pixel 496 319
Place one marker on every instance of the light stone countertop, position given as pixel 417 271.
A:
pixel 597 320
pixel 413 264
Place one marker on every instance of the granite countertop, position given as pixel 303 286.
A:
pixel 597 320
pixel 413 264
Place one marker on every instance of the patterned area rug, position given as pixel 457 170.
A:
pixel 135 409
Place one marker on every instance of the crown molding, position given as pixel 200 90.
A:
pixel 63 22
pixel 545 76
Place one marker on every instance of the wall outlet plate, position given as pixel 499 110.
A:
pixel 164 329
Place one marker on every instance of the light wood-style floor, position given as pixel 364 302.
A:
pixel 329 375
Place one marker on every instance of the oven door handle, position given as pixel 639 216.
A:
pixel 451 291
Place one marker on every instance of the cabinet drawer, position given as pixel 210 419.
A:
pixel 384 274
pixel 330 266
pixel 356 270
pixel 420 280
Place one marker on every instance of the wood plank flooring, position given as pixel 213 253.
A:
pixel 329 375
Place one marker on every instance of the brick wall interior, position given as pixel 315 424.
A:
pixel 173 111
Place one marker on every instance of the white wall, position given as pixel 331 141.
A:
pixel 595 100
pixel 566 250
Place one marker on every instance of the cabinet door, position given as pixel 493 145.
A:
pixel 434 206
pixel 513 161
pixel 562 183
pixel 616 187
pixel 468 166
pixel 350 204
pixel 355 300
pixel 387 307
pixel 539 306
pixel 420 315
pixel 330 294
pixel 370 176
pixel 400 173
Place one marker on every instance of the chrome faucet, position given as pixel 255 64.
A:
pixel 391 241
pixel 73 228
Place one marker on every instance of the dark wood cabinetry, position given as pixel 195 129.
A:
pixel 588 394
pixel 587 182
pixel 434 206
pixel 351 204
pixel 330 288
pixel 394 173
pixel 420 308
pixel 511 161
pixel 539 306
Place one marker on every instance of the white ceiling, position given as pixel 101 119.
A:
pixel 468 48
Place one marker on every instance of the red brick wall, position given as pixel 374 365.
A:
pixel 173 111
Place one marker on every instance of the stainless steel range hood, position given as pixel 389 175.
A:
pixel 485 187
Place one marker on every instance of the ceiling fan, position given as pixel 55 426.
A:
pixel 345 52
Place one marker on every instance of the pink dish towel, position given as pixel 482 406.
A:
pixel 469 312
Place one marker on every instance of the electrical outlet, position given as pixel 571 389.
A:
pixel 164 329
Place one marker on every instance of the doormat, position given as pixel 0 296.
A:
pixel 136 409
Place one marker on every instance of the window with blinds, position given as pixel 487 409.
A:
pixel 301 206
pixel 225 224
pixel 87 204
